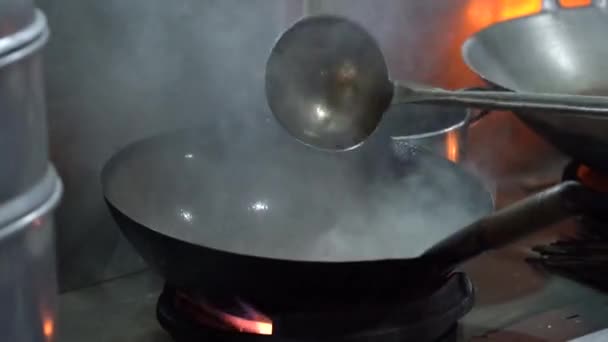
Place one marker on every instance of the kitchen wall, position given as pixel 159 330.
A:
pixel 120 70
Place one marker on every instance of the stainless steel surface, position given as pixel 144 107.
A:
pixel 28 279
pixel 443 131
pixel 551 105
pixel 25 35
pixel 15 15
pixel 25 202
pixel 556 51
pixel 327 83
pixel 23 134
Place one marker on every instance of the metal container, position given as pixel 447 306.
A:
pixel 15 15
pixel 28 284
pixel 23 129
pixel 441 130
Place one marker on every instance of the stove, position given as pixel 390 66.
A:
pixel 513 301
pixel 430 314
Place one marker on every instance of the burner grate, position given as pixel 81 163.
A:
pixel 433 318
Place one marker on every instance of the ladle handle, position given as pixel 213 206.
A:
pixel 591 106
pixel 512 223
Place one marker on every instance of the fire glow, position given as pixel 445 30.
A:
pixel 48 328
pixel 593 179
pixel 248 320
pixel 259 324
pixel 452 148
pixel 483 13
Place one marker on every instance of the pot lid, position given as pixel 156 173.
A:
pixel 17 31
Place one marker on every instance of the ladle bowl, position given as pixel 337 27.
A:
pixel 327 83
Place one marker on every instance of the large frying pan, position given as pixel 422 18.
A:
pixel 556 51
pixel 264 216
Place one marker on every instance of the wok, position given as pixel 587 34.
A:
pixel 264 216
pixel 556 51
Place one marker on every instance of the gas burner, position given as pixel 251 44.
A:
pixel 583 257
pixel 429 315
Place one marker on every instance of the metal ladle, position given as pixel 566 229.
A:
pixel 327 83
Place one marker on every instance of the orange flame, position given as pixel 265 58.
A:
pixel 259 326
pixel 575 3
pixel 48 328
pixel 255 322
pixel 482 13
pixel 452 147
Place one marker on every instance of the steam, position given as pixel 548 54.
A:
pixel 249 188
pixel 119 71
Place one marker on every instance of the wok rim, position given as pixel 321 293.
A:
pixel 113 161
pixel 465 116
pixel 465 49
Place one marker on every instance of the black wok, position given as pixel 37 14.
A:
pixel 556 51
pixel 264 216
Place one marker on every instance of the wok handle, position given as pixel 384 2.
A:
pixel 512 223
pixel 552 104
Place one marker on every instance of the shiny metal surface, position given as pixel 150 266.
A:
pixel 24 36
pixel 556 51
pixel 23 133
pixel 28 279
pixel 15 15
pixel 327 83
pixel 274 198
pixel 441 130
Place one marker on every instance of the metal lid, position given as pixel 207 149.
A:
pixel 39 199
pixel 23 129
pixel 34 27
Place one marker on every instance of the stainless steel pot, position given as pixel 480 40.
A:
pixel 441 130
pixel 28 284
pixel 15 15
pixel 23 129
